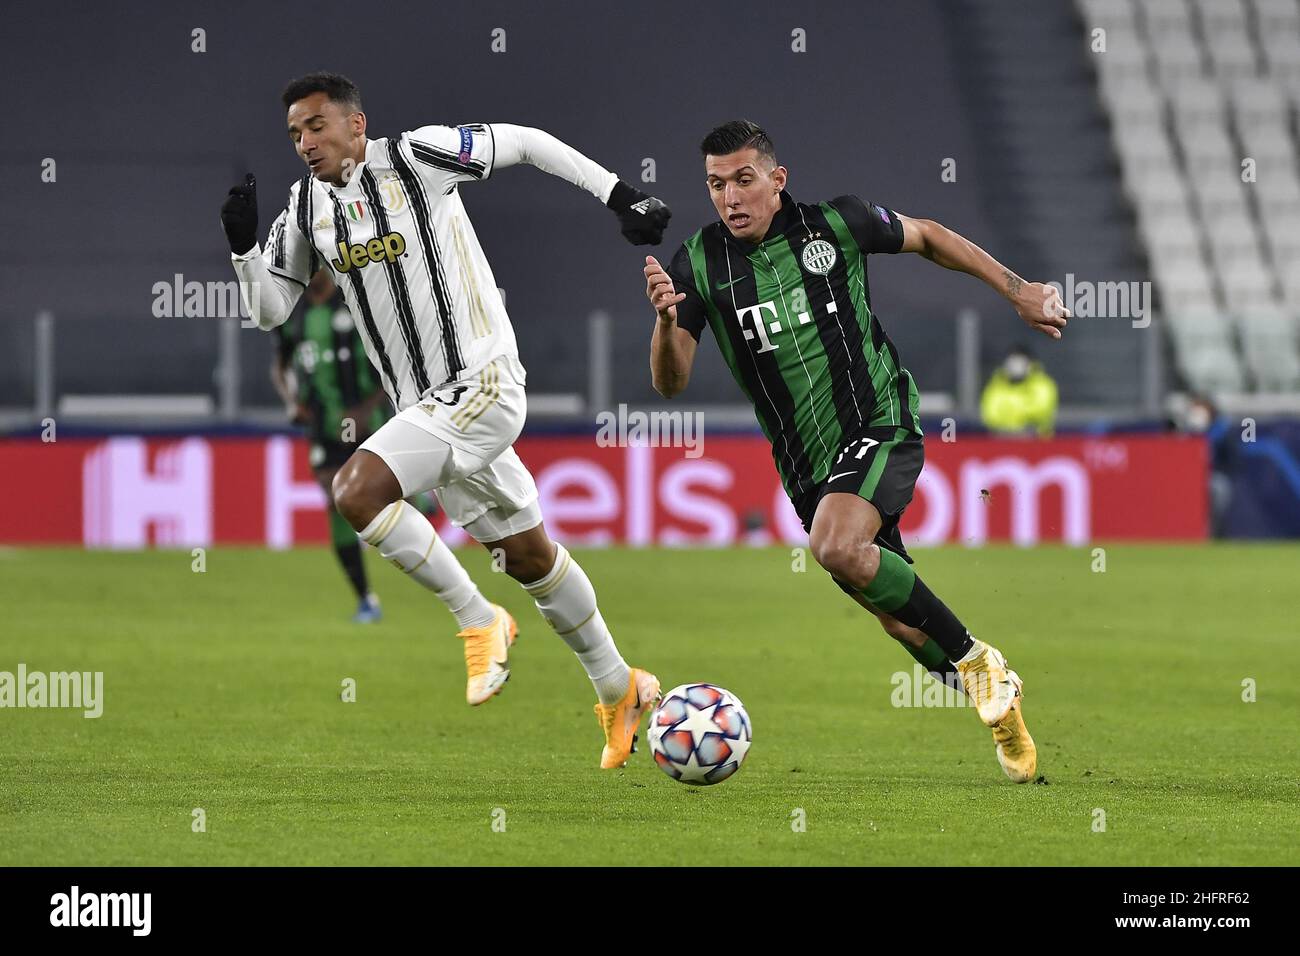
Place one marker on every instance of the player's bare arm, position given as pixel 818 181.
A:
pixel 672 349
pixel 1039 305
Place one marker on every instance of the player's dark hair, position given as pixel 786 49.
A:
pixel 737 135
pixel 336 86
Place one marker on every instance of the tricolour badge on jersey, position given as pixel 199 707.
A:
pixel 356 210
pixel 819 257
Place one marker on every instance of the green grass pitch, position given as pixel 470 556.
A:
pixel 222 692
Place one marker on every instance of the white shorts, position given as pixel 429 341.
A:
pixel 458 442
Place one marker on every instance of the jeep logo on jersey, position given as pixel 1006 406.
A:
pixel 361 254
pixel 819 257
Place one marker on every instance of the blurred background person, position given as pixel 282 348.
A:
pixel 1197 414
pixel 1020 397
pixel 329 386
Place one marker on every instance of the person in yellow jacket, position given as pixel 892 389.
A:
pixel 1020 398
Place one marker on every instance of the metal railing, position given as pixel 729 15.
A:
pixel 224 404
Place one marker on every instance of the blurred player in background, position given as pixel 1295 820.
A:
pixel 784 287
pixel 386 216
pixel 322 373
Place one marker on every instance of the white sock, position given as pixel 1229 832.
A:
pixel 568 602
pixel 405 537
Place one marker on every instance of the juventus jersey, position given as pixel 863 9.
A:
pixel 405 256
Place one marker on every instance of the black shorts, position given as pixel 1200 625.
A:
pixel 325 453
pixel 880 464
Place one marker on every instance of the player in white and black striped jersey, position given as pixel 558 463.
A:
pixel 386 216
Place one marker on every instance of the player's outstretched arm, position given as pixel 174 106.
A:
pixel 642 217
pixel 1039 305
pixel 269 298
pixel 672 349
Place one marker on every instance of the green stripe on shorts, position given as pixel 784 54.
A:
pixel 877 468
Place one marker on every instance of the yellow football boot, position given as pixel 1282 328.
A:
pixel 620 721
pixel 1016 751
pixel 487 651
pixel 986 679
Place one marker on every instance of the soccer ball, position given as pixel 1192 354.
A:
pixel 700 734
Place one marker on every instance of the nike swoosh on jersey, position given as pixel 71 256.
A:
pixel 720 286
pixel 840 475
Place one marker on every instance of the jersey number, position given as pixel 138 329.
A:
pixel 866 443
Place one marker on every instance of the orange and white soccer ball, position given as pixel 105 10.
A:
pixel 700 734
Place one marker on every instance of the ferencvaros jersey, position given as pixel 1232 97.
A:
pixel 792 316
pixel 402 250
pixel 327 353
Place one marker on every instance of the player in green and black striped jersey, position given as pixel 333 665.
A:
pixel 322 373
pixel 783 286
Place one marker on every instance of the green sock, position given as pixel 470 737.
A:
pixel 893 591
pixel 341 532
pixel 931 656
pixel 347 547
pixel 897 591
pixel 892 585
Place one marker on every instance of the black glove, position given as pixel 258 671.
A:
pixel 643 217
pixel 239 216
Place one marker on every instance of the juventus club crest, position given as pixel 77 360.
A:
pixel 390 192
pixel 819 257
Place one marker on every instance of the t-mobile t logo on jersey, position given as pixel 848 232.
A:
pixel 75 908
pixel 762 328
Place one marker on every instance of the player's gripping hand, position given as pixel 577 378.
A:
pixel 239 216
pixel 659 290
pixel 642 217
pixel 1040 306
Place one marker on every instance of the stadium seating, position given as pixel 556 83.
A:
pixel 1202 97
